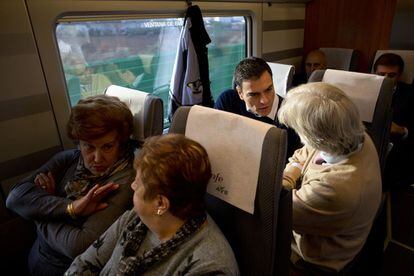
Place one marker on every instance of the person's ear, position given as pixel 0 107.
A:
pixel 240 92
pixel 163 205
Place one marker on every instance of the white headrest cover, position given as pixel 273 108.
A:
pixel 135 100
pixel 362 89
pixel 338 58
pixel 408 57
pixel 281 74
pixel 234 146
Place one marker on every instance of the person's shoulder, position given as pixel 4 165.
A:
pixel 124 220
pixel 404 86
pixel 367 155
pixel 128 216
pixel 226 98
pixel 230 101
pixel 213 251
pixel 70 154
pixel 405 92
pixel 229 93
pixel 368 142
pixel 349 177
pixel 214 231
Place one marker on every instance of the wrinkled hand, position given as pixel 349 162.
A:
pixel 92 201
pixel 46 182
pixel 291 174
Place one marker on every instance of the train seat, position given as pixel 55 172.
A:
pixel 341 58
pixel 282 77
pixel 260 233
pixel 146 109
pixel 372 95
pixel 408 57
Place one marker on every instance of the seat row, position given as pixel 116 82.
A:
pixel 263 225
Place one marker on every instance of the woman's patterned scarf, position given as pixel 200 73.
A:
pixel 135 233
pixel 83 180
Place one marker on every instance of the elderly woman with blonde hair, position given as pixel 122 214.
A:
pixel 168 232
pixel 335 177
pixel 80 192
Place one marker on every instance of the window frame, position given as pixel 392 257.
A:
pixel 45 14
pixel 95 21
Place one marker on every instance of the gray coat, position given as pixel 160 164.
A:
pixel 207 252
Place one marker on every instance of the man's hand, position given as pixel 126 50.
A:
pixel 46 182
pixel 92 201
pixel 398 130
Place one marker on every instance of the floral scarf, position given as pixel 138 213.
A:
pixel 135 233
pixel 83 180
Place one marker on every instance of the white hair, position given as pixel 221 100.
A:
pixel 324 118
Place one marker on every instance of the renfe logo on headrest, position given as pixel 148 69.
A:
pixel 217 180
pixel 235 168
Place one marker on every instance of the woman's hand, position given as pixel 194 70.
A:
pixel 92 201
pixel 291 174
pixel 46 182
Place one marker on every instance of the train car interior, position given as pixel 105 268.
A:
pixel 55 53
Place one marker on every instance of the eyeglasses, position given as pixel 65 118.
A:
pixel 308 64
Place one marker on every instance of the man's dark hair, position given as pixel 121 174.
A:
pixel 250 68
pixel 390 59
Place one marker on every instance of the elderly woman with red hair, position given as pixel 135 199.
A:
pixel 168 232
pixel 72 198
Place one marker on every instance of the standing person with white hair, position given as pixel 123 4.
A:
pixel 335 177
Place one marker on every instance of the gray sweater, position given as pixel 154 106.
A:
pixel 59 238
pixel 207 252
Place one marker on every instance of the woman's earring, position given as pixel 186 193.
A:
pixel 159 212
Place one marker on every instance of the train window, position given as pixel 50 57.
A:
pixel 140 53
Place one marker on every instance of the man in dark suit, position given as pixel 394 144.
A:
pixel 254 96
pixel 401 157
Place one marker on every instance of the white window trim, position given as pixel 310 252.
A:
pixel 45 13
